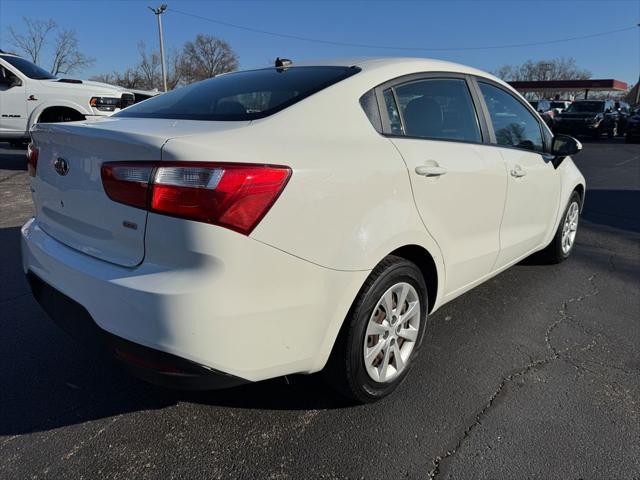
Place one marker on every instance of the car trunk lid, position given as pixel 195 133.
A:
pixel 71 204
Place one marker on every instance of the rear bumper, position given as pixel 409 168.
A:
pixel 206 295
pixel 151 365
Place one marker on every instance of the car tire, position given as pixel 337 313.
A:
pixel 613 132
pixel 557 251
pixel 347 369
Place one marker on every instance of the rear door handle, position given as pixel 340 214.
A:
pixel 518 171
pixel 430 170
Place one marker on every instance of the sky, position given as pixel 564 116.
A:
pixel 110 31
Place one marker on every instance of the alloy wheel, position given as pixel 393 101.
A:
pixel 570 227
pixel 392 332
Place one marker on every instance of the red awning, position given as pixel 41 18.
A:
pixel 608 84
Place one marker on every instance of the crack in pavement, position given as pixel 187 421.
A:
pixel 533 364
pixel 76 448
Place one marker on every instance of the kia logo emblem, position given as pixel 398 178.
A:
pixel 61 166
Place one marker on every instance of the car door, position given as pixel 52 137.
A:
pixel 533 186
pixel 459 183
pixel 13 104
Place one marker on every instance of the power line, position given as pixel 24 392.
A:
pixel 387 47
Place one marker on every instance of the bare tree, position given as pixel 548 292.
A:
pixel 206 57
pixel 554 69
pixel 130 78
pixel 150 69
pixel 66 57
pixel 34 39
pixel 203 58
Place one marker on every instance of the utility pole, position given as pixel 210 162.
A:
pixel 159 11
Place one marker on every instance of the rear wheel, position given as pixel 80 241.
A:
pixel 382 332
pixel 564 240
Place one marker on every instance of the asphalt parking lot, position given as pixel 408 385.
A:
pixel 534 374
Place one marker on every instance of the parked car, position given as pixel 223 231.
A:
pixel 543 107
pixel 632 132
pixel 293 219
pixel 559 106
pixel 588 117
pixel 621 112
pixel 30 94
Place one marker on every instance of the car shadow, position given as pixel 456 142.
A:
pixel 48 380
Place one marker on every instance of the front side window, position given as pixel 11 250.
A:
pixel 439 109
pixel 240 96
pixel 513 124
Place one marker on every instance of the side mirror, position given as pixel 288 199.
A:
pixel 564 145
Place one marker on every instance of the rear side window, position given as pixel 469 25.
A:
pixel 240 96
pixel 438 109
pixel 392 112
pixel 513 124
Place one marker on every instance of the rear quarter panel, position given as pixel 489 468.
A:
pixel 349 201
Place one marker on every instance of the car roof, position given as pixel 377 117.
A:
pixel 386 68
pixel 366 63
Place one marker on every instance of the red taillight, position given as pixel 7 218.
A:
pixel 127 182
pixel 32 159
pixel 234 196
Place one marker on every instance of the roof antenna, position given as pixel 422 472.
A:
pixel 283 63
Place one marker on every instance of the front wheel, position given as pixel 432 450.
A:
pixel 564 240
pixel 382 333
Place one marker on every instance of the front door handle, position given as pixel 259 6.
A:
pixel 518 171
pixel 430 170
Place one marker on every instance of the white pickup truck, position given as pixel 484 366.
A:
pixel 30 94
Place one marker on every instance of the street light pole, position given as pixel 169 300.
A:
pixel 159 11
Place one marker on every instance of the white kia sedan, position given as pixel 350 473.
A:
pixel 292 219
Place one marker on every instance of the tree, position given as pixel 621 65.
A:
pixel 149 69
pixel 206 57
pixel 554 69
pixel 66 59
pixel 32 42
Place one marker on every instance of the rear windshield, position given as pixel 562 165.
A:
pixel 240 96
